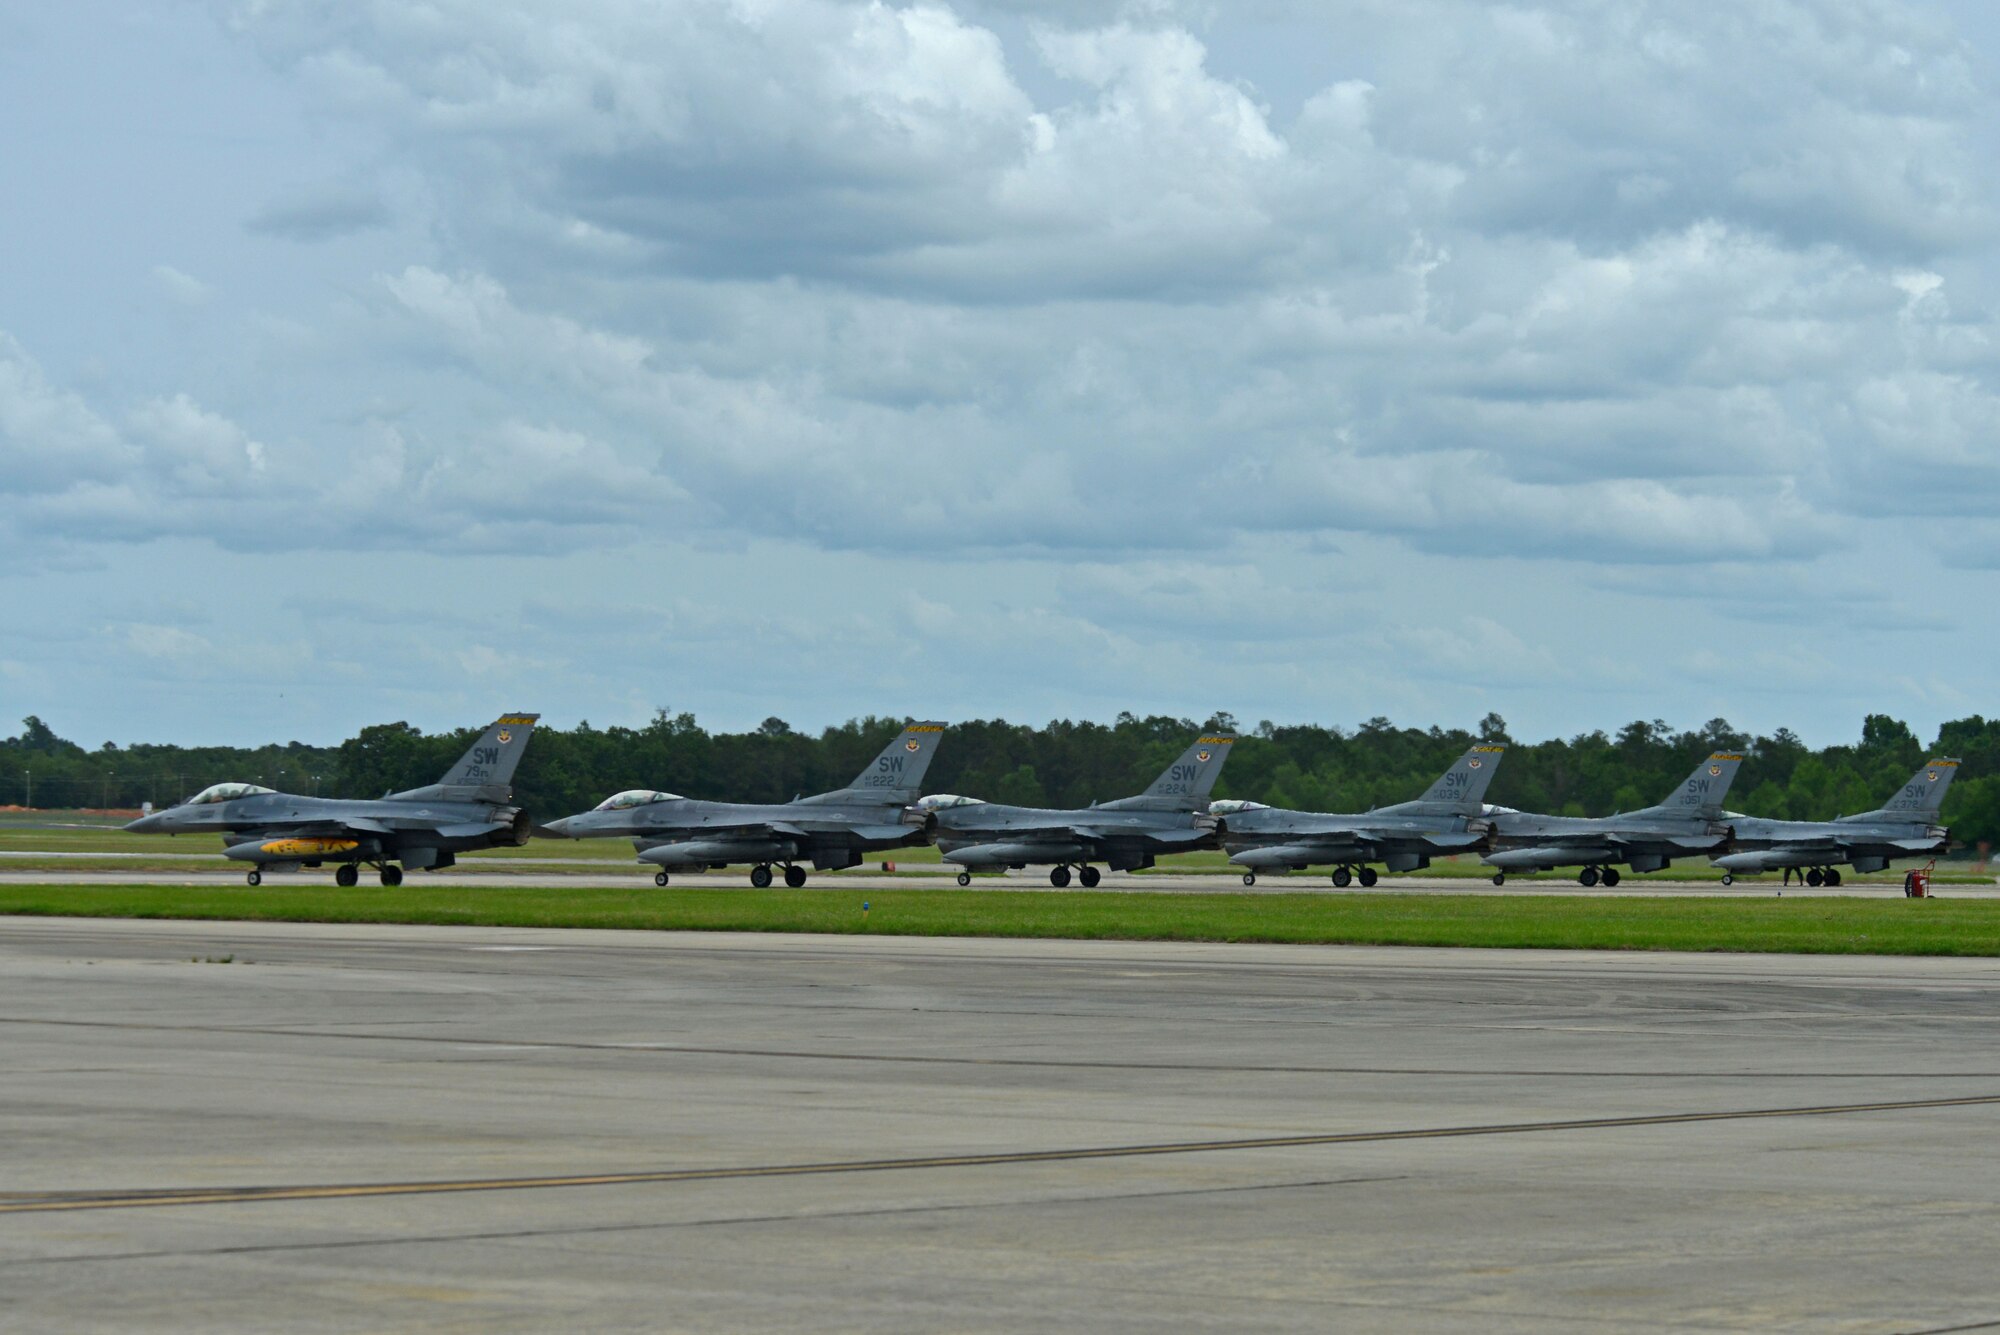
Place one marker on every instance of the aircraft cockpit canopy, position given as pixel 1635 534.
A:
pixel 1229 806
pixel 225 792
pixel 940 801
pixel 635 797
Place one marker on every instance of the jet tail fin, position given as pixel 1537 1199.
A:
pixel 1463 786
pixel 897 775
pixel 1920 799
pixel 1192 778
pixel 485 773
pixel 1701 794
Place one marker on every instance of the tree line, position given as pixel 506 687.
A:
pixel 1063 763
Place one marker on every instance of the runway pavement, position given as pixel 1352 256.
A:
pixel 460 1129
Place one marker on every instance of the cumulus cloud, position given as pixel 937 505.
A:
pixel 1624 288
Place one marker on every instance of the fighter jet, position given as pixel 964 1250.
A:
pixel 1404 836
pixel 471 807
pixel 1169 817
pixel 1906 827
pixel 831 830
pixel 1690 821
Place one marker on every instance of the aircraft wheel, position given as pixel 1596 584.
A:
pixel 1815 877
pixel 1612 876
pixel 965 878
pixel 1587 877
pixel 1249 878
pixel 795 876
pixel 1059 877
pixel 1090 876
pixel 1833 876
pixel 760 877
pixel 1728 878
pixel 391 874
pixel 1367 876
pixel 659 878
pixel 1499 878
pixel 1342 877
pixel 346 874
pixel 255 877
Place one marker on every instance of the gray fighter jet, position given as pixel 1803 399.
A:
pixel 471 807
pixel 1688 822
pixel 1403 837
pixel 1169 817
pixel 1906 827
pixel 832 830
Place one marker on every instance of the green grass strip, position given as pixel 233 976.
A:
pixel 1573 922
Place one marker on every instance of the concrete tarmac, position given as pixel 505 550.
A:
pixel 303 1127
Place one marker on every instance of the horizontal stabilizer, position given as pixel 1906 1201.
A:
pixel 883 832
pixel 470 829
pixel 1176 837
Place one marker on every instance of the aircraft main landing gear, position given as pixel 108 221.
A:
pixel 1342 878
pixel 347 874
pixel 1833 876
pixel 965 878
pixel 1367 876
pixel 760 876
pixel 795 876
pixel 1611 876
pixel 255 877
pixel 1090 877
pixel 1059 876
pixel 391 874
pixel 1587 877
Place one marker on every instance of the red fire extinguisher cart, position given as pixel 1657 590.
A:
pixel 1917 881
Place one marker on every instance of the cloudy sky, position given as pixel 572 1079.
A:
pixel 1582 361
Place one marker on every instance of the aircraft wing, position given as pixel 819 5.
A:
pixel 1020 834
pixel 750 829
pixel 325 829
pixel 1680 843
pixel 1141 834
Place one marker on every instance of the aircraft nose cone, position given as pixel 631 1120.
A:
pixel 555 829
pixel 145 824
